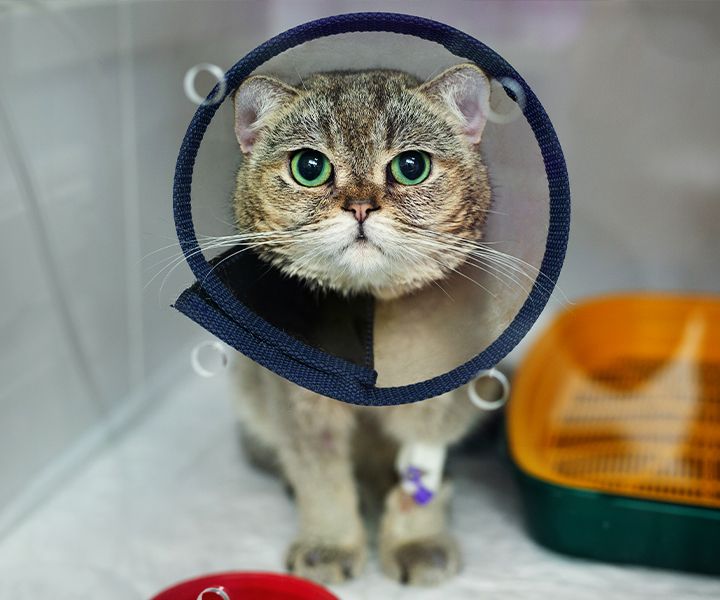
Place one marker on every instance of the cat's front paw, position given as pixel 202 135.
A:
pixel 425 562
pixel 326 563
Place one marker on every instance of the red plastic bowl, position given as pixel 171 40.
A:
pixel 248 586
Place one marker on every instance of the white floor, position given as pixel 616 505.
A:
pixel 172 499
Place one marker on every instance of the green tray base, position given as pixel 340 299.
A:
pixel 621 529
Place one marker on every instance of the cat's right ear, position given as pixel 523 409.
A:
pixel 255 100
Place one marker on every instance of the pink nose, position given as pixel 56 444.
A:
pixel 361 210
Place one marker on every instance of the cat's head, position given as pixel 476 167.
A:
pixel 363 182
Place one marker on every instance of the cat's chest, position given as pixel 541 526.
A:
pixel 432 331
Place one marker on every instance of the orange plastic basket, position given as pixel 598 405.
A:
pixel 620 399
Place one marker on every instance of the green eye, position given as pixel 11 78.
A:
pixel 310 168
pixel 411 167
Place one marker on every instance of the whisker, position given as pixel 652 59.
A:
pixel 180 261
pixel 428 257
pixel 234 238
pixel 476 264
pixel 480 248
pixel 504 263
pixel 174 261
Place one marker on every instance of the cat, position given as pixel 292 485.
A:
pixel 368 170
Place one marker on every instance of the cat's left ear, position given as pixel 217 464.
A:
pixel 465 90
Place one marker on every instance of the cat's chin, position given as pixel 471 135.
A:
pixel 363 267
pixel 368 270
pixel 363 282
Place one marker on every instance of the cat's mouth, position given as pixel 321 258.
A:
pixel 362 238
pixel 363 242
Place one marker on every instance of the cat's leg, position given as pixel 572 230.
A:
pixel 416 546
pixel 255 390
pixel 315 455
pixel 308 437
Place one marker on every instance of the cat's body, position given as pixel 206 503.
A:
pixel 322 445
pixel 367 182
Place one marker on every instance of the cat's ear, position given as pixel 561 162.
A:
pixel 465 90
pixel 255 100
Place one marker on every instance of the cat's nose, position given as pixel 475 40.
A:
pixel 361 208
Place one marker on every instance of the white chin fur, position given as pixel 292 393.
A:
pixel 381 265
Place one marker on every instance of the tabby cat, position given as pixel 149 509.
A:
pixel 351 182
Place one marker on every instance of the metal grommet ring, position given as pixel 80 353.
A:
pixel 218 591
pixel 498 378
pixel 197 364
pixel 189 84
pixel 508 83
